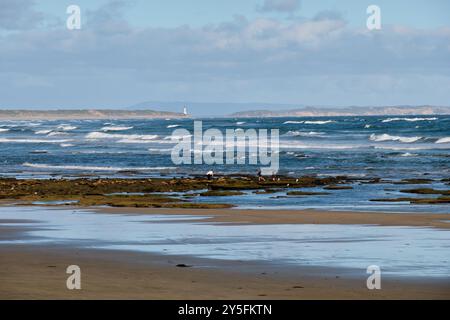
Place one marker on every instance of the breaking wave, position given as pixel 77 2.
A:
pixel 43 131
pixel 303 134
pixel 116 128
pixel 293 122
pixel 409 119
pixel 66 127
pixel 93 168
pixel 319 122
pixel 443 140
pixel 122 137
pixel 386 137
pixel 6 140
pixel 310 122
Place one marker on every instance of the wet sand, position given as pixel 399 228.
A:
pixel 38 272
pixel 34 272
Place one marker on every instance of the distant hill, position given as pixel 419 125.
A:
pixel 208 108
pixel 85 114
pixel 344 111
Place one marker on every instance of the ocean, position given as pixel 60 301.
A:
pixel 387 147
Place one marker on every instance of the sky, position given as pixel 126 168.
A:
pixel 268 52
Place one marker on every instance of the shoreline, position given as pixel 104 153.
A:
pixel 254 216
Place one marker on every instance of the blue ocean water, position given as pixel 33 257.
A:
pixel 393 148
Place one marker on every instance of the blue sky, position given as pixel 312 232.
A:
pixel 298 52
pixel 172 13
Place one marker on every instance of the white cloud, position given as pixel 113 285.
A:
pixel 109 61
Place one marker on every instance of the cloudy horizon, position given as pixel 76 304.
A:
pixel 275 52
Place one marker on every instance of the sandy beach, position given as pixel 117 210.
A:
pixel 38 271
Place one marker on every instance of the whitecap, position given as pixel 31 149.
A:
pixel 6 140
pixel 173 126
pixel 319 122
pixel 293 122
pixel 43 131
pixel 136 141
pixel 386 137
pixel 407 154
pixel 102 135
pixel 4 130
pixel 92 168
pixel 57 133
pixel 116 128
pixel 156 150
pixel 66 127
pixel 240 123
pixel 443 140
pixel 409 119
pixel 303 134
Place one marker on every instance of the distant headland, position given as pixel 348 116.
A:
pixel 345 111
pixel 86 114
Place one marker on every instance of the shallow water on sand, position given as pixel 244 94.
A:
pixel 399 251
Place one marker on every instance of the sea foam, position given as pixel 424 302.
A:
pixel 102 135
pixel 409 119
pixel 386 137
pixel 6 140
pixel 66 127
pixel 443 140
pixel 309 122
pixel 92 168
pixel 319 122
pixel 116 128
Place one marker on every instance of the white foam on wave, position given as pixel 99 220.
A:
pixel 92 168
pixel 408 154
pixel 240 123
pixel 310 122
pixel 135 141
pixel 66 127
pixel 177 137
pixel 172 126
pixel 43 131
pixel 4 130
pixel 293 122
pixel 66 145
pixel 387 137
pixel 409 119
pixel 124 138
pixel 6 140
pixel 303 134
pixel 443 140
pixel 163 150
pixel 319 122
pixel 116 128
pixel 57 133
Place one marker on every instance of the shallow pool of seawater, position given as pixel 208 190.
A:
pixel 359 198
pixel 399 251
